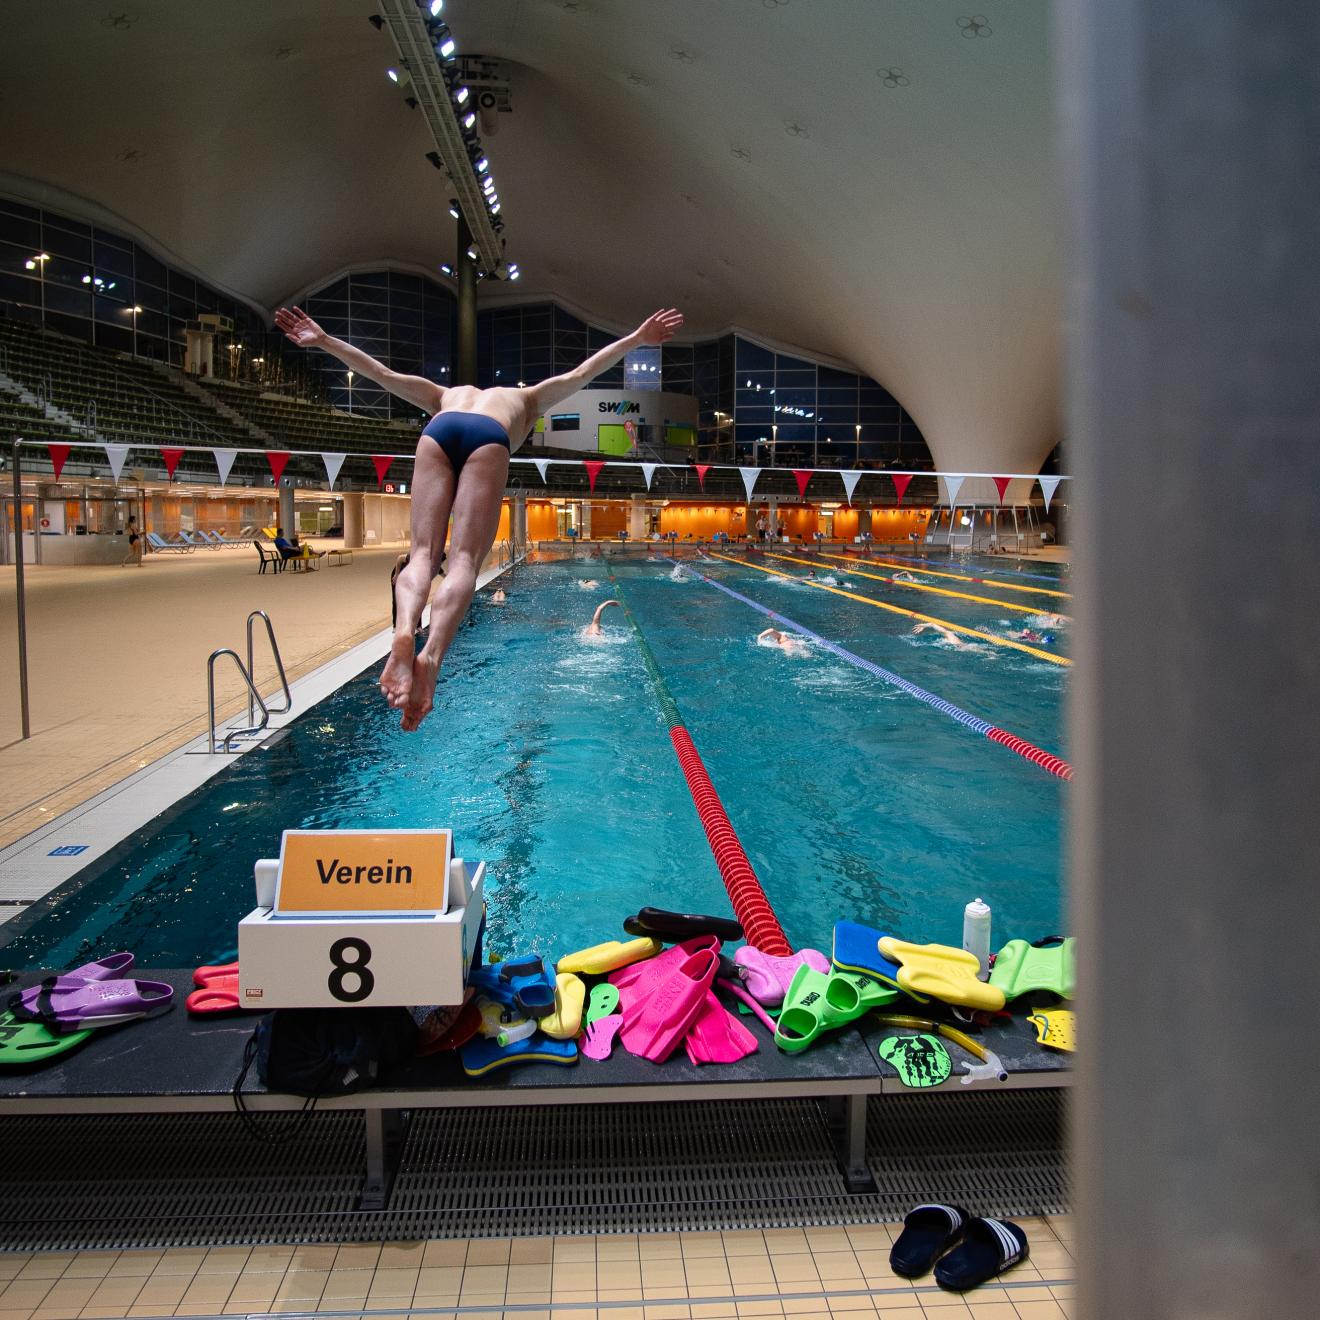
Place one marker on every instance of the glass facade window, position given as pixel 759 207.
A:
pixel 404 320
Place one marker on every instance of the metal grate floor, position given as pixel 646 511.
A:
pixel 161 1181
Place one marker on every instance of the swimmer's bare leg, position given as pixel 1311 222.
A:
pixel 432 499
pixel 476 506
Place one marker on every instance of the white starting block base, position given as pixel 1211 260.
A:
pixel 357 960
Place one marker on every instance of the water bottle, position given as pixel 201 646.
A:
pixel 976 934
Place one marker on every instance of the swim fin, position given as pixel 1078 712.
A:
pixel 717 1036
pixel 664 1017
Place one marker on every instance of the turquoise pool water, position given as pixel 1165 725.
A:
pixel 548 755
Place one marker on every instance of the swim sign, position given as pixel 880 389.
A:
pixel 383 872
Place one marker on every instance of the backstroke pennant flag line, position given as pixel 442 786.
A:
pixel 802 476
pixel 277 458
pixel 224 462
pixel 850 480
pixel 900 485
pixel 381 462
pixel 1048 485
pixel 333 462
pixel 648 471
pixel 171 457
pixel 58 455
pixel 1001 485
pixel 953 485
pixel 749 476
pixel 115 455
pixel 593 466
pixel 541 465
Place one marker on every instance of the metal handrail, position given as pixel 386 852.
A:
pixel 210 701
pixel 279 665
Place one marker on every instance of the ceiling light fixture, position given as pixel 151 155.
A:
pixel 461 95
pixel 392 75
pixel 482 165
pixel 453 207
pixel 470 119
pixel 436 7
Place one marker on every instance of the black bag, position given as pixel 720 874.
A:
pixel 317 1052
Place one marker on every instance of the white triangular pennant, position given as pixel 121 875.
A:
pixel 749 476
pixel 333 462
pixel 1048 485
pixel 224 461
pixel 952 485
pixel 115 456
pixel 541 465
pixel 648 471
pixel 850 480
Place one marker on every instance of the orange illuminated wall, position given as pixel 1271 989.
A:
pixel 542 521
pixel 503 533
pixel 608 520
pixel 702 521
pixel 895 524
pixel 799 520
pixel 845 524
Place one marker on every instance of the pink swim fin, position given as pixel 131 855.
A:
pixel 660 1021
pixel 717 1036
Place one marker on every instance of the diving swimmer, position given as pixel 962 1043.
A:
pixel 593 629
pixel 461 468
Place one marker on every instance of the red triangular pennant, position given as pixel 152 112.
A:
pixel 171 457
pixel 58 454
pixel 381 462
pixel 277 458
pixel 1001 485
pixel 900 485
pixel 802 476
pixel 593 466
pixel 702 469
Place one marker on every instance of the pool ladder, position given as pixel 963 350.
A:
pixel 246 673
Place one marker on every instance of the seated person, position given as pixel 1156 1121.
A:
pixel 288 549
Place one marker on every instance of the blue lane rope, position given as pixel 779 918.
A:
pixel 1046 760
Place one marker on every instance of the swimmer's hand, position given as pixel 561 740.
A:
pixel 659 326
pixel 299 327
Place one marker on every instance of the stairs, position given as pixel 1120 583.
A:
pixel 191 387
pixel 49 410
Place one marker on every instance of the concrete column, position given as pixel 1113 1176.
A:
pixel 636 518
pixel 772 514
pixel 286 514
pixel 465 355
pixel 584 520
pixel 519 520
pixel 863 522
pixel 353 501
pixel 1188 155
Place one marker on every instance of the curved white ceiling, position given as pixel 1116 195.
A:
pixel 911 228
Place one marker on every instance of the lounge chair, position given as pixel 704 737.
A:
pixel 197 539
pixel 157 542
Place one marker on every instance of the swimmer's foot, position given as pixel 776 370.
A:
pixel 422 696
pixel 396 678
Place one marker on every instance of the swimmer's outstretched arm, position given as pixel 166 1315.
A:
pixel 657 328
pixel 303 331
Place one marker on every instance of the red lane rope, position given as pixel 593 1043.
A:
pixel 1056 765
pixel 761 927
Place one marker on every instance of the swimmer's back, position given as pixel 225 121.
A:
pixel 508 407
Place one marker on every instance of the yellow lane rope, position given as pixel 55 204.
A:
pixel 897 609
pixel 918 586
pixel 957 577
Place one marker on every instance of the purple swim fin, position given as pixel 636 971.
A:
pixel 66 1004
pixel 717 1036
pixel 660 1021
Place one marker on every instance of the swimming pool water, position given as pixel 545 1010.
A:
pixel 548 755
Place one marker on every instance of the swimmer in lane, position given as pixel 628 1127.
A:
pixel 461 468
pixel 943 633
pixel 904 576
pixel 786 642
pixel 498 597
pixel 593 629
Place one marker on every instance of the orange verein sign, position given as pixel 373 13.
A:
pixel 385 872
